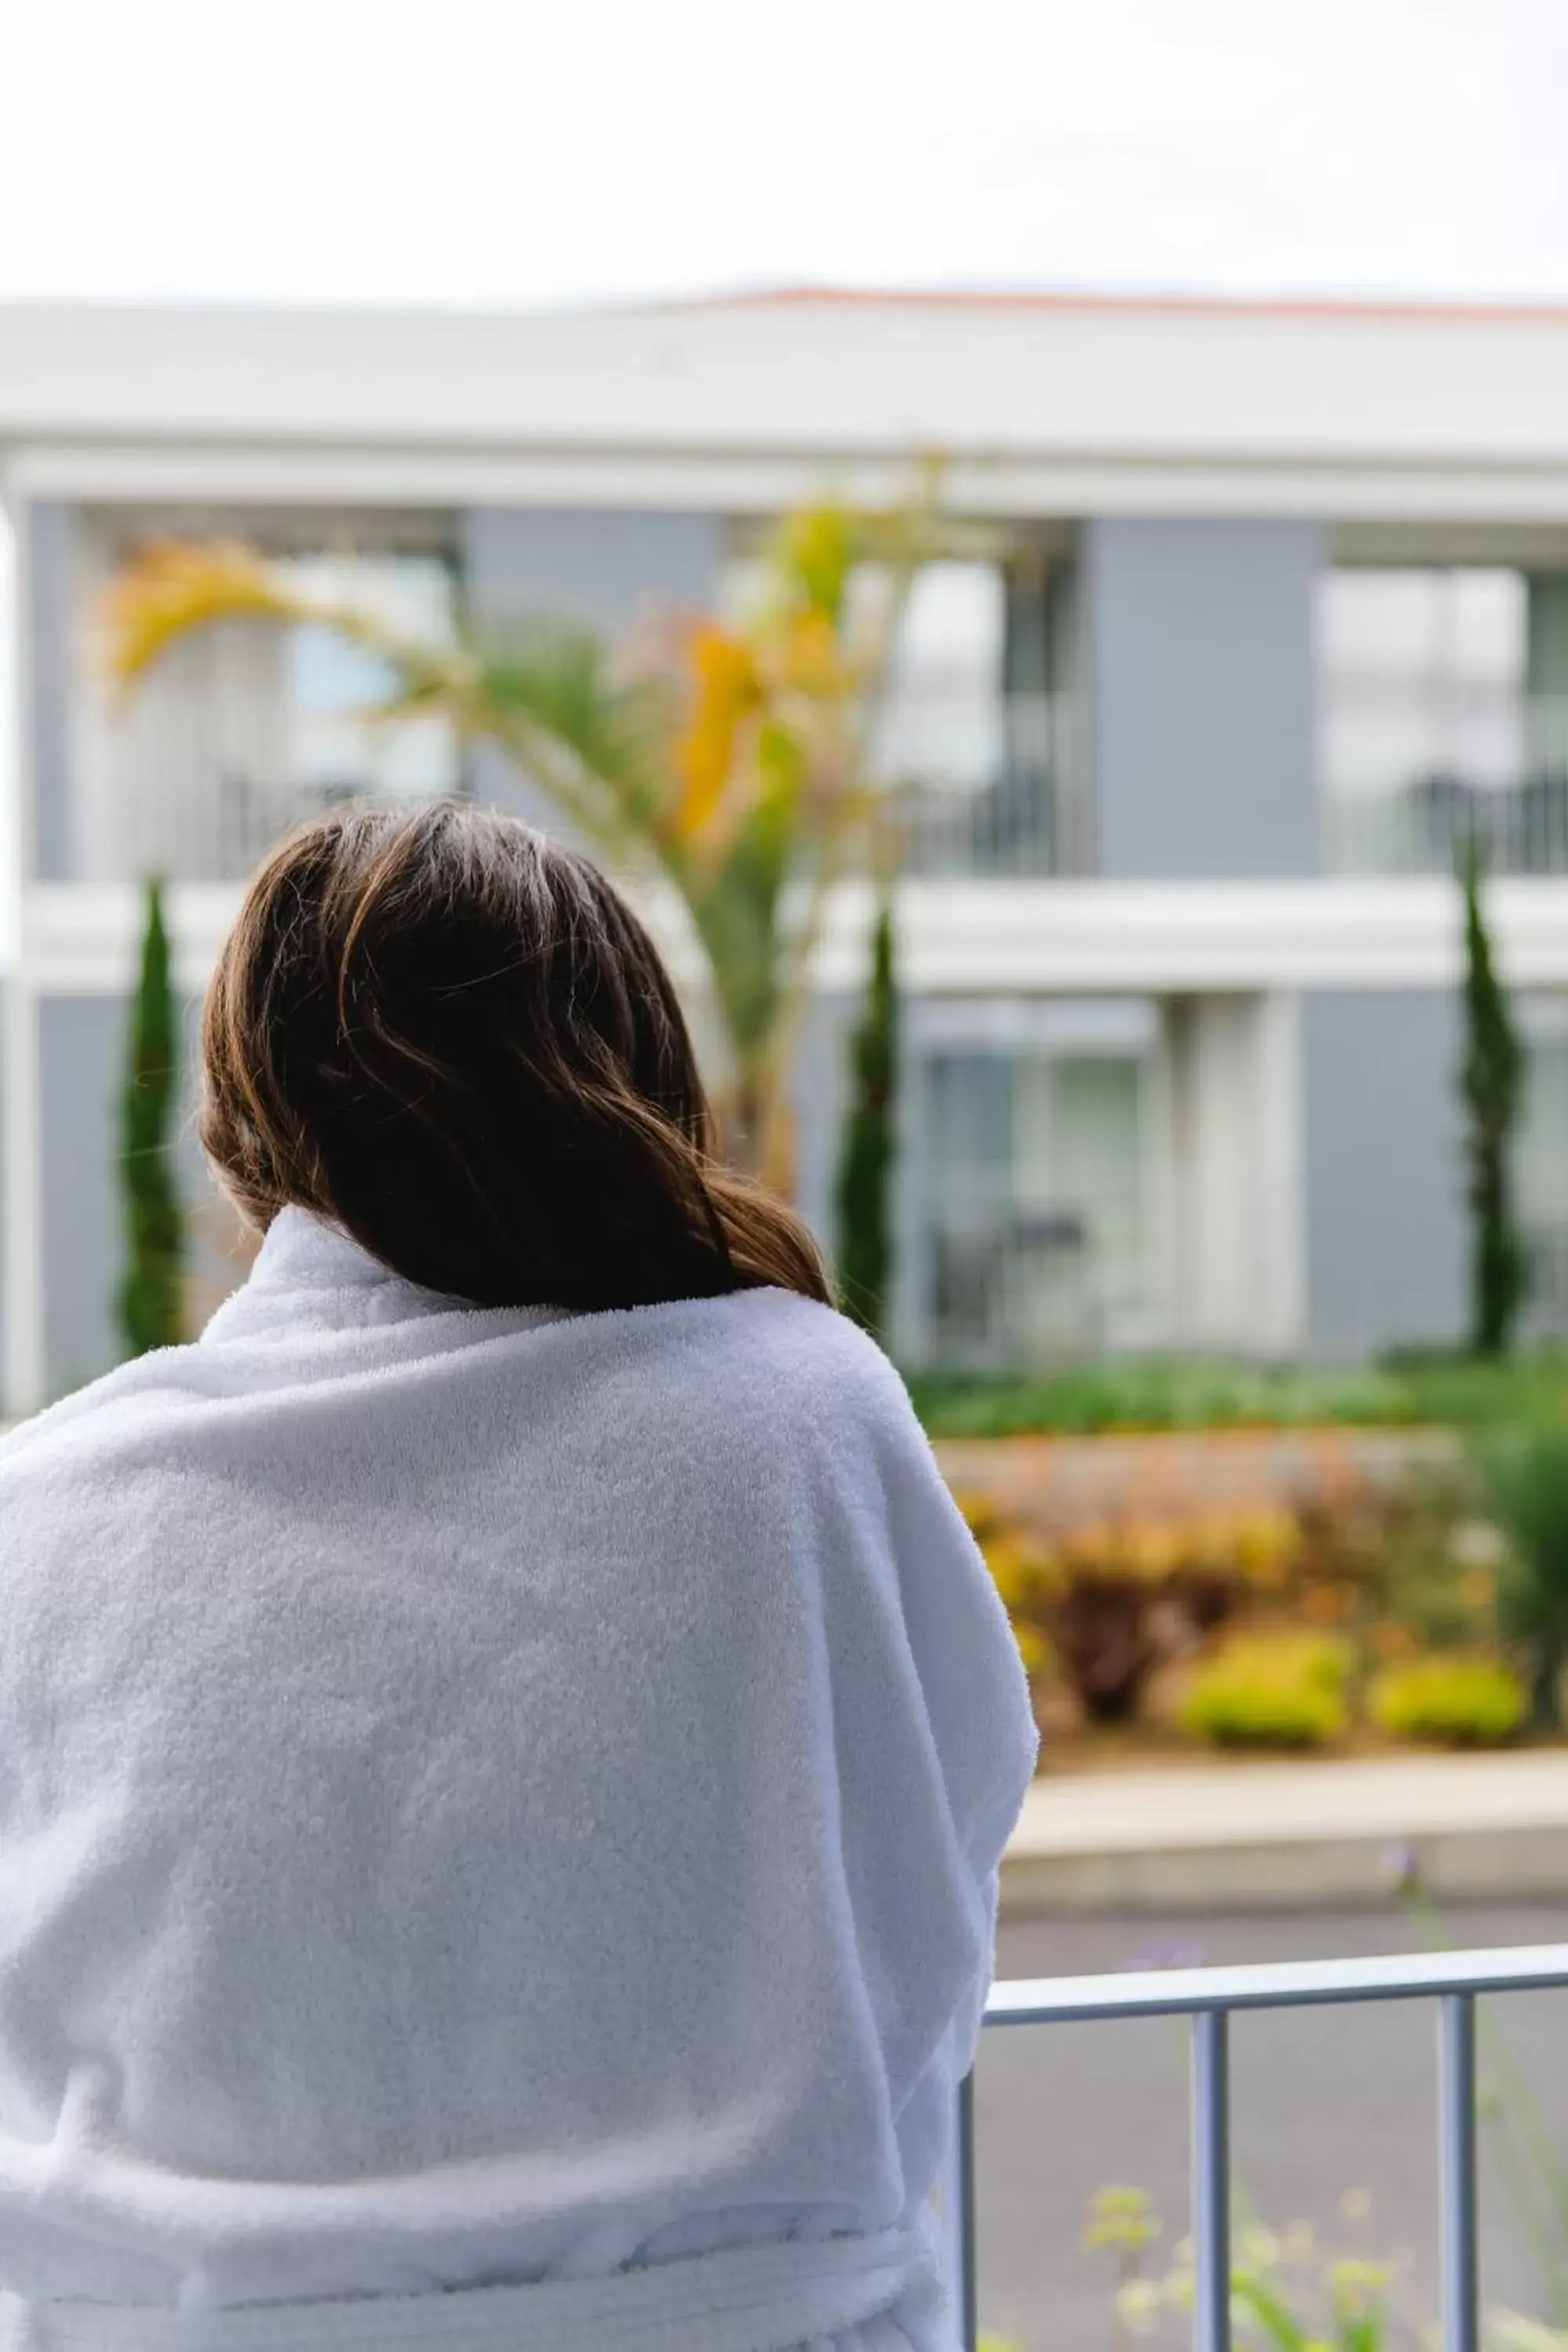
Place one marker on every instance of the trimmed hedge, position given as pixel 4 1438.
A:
pixel 1158 1395
pixel 1456 1702
pixel 1271 1691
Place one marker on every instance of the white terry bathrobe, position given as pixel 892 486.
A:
pixel 499 1822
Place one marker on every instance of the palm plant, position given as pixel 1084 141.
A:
pixel 730 761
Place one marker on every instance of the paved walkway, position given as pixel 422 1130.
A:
pixel 1272 1835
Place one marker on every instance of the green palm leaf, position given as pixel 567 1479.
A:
pixel 546 694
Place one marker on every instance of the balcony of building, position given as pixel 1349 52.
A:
pixel 1444 719
pixel 985 785
pixel 248 732
pixel 245 729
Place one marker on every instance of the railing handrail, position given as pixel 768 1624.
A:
pixel 1278 1984
pixel 1208 1997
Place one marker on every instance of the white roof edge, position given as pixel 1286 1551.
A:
pixel 1183 379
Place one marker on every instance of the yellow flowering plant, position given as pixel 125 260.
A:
pixel 1289 2290
pixel 1106 1600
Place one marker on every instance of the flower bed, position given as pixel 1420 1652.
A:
pixel 1316 1590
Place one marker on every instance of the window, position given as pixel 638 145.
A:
pixel 1444 717
pixel 942 719
pixel 1424 674
pixel 331 688
pixel 1038 1167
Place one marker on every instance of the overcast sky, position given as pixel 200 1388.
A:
pixel 541 151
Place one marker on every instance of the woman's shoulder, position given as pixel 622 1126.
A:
pixel 797 1329
pixel 795 1334
pixel 774 1355
pixel 124 1398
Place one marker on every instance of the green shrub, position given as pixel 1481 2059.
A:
pixel 1154 1394
pixel 150 1296
pixel 1287 1691
pixel 1491 1082
pixel 1459 1702
pixel 863 1196
pixel 1290 2292
pixel 1476 1393
pixel 1526 1478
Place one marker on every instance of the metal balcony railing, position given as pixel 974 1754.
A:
pixel 983 784
pixel 1028 1292
pixel 220 831
pixel 976 785
pixel 1520 829
pixel 1209 1998
pixel 1407 785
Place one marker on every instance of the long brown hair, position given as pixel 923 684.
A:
pixel 454 1039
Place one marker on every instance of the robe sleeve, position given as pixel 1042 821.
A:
pixel 933 1733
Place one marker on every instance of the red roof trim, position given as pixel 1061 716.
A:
pixel 1179 305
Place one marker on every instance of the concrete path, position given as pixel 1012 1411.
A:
pixel 1267 1836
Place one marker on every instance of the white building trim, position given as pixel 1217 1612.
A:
pixel 818 373
pixel 1006 939
pixel 1528 500
pixel 16 805
pixel 22 1349
pixel 1041 407
pixel 21 1189
pixel 1282 1306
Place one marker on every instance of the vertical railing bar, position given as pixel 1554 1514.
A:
pixel 961 2218
pixel 958 2212
pixel 1211 2180
pixel 1456 2156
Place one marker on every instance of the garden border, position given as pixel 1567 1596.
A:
pixel 1345 1834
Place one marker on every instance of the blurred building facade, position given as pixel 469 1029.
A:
pixel 1279 617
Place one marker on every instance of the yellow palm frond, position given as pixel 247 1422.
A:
pixel 810 662
pixel 726 691
pixel 176 586
pixel 813 554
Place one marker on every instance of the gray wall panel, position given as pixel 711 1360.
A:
pixel 1200 678
pixel 50 544
pixel 81 1044
pixel 603 568
pixel 1385 1183
pixel 819 1097
pixel 596 565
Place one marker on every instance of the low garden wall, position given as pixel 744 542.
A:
pixel 1054 1484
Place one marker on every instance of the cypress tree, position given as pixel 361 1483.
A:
pixel 864 1192
pixel 1491 1081
pixel 150 1301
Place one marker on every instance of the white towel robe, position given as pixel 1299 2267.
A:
pixel 487 1797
